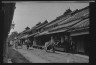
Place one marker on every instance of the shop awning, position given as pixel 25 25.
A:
pixel 26 36
pixel 33 34
pixel 51 32
pixel 80 28
pixel 75 25
pixel 43 33
pixel 79 33
pixel 58 31
pixel 83 23
pixel 67 24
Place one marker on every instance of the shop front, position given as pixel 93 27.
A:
pixel 81 39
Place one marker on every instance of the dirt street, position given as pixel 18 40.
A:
pixel 56 57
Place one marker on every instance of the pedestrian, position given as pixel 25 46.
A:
pixel 11 43
pixel 67 44
pixel 73 46
pixel 19 43
pixel 16 43
pixel 27 41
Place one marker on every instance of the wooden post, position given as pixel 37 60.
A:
pixel 34 41
pixel 52 39
pixel 62 38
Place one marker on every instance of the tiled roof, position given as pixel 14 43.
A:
pixel 74 26
pixel 38 26
pixel 59 18
pixel 67 21
pixel 72 20
pixel 79 19
pixel 76 16
pixel 83 23
pixel 66 25
pixel 42 26
pixel 64 18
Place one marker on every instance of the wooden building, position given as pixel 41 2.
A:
pixel 72 25
pixel 61 28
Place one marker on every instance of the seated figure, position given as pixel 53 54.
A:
pixel 50 45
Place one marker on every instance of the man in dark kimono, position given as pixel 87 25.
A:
pixel 28 42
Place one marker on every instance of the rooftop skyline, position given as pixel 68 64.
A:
pixel 30 13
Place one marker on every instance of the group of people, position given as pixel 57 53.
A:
pixel 49 45
pixel 17 42
pixel 27 42
pixel 67 45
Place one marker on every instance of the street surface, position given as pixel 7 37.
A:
pixel 16 57
pixel 49 57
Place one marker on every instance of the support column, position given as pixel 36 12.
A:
pixel 62 39
pixel 52 43
pixel 67 46
pixel 52 39
pixel 34 41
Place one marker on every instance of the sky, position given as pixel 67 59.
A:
pixel 30 13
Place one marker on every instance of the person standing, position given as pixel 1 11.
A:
pixel 21 43
pixel 73 45
pixel 67 44
pixel 16 43
pixel 27 43
pixel 11 43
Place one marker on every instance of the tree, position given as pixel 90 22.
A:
pixel 13 35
